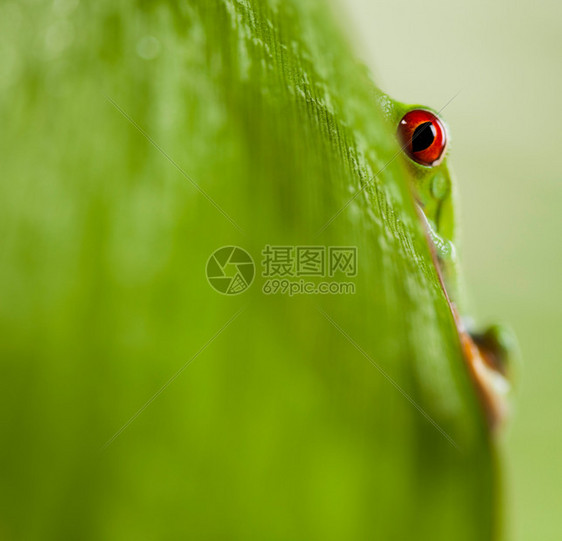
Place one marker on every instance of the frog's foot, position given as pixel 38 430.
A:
pixel 490 356
pixel 499 345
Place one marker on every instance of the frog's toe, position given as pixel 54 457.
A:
pixel 498 345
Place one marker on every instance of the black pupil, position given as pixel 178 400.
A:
pixel 423 137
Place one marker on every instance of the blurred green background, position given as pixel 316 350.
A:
pixel 505 59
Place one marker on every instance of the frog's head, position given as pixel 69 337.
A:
pixel 424 140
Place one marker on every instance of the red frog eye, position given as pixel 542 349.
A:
pixel 422 136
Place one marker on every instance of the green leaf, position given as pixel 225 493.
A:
pixel 137 402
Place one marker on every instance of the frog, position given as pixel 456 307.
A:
pixel 491 353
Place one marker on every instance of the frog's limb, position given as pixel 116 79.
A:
pixel 500 345
pixel 492 385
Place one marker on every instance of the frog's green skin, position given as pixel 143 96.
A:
pixel 436 196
